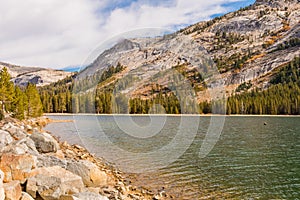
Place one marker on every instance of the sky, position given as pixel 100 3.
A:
pixel 62 33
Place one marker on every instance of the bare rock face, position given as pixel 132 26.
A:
pixel 2 194
pixel 50 161
pixel 17 167
pixel 274 3
pixel 13 190
pixel 89 172
pixel 40 76
pixel 15 140
pixel 241 46
pixel 85 196
pixel 22 146
pixel 44 142
pixel 26 196
pixel 16 132
pixel 5 139
pixel 52 182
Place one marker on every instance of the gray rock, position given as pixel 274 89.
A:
pixel 16 132
pixel 88 196
pixel 44 142
pixel 21 75
pixel 89 172
pixel 50 161
pixel 52 182
pixel 25 145
pixel 15 149
pixel 93 190
pixel 5 138
pixel 26 196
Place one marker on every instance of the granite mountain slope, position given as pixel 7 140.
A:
pixel 242 46
pixel 40 76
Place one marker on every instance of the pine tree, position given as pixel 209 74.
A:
pixel 6 91
pixel 35 107
pixel 19 104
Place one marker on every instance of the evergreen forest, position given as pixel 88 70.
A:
pixel 19 102
pixel 74 95
pixel 281 97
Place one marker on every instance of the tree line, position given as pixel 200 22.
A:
pixel 71 95
pixel 19 102
pixel 281 97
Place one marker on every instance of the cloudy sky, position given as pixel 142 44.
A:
pixel 61 33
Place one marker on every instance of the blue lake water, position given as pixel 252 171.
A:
pixel 254 157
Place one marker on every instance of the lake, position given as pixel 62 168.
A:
pixel 253 158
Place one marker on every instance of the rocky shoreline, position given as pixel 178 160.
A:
pixel 35 165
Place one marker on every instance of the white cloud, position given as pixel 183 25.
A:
pixel 56 33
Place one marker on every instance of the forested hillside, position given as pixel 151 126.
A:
pixel 252 54
pixel 67 96
pixel 281 97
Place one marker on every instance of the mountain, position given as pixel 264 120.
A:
pixel 40 76
pixel 246 45
pixel 243 51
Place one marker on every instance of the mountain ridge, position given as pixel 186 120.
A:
pixel 21 75
pixel 245 45
pixel 244 57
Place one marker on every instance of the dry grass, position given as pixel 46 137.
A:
pixel 253 58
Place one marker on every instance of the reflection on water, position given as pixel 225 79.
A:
pixel 250 160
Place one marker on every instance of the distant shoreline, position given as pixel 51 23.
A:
pixel 168 115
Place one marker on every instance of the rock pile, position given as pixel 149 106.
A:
pixel 35 165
